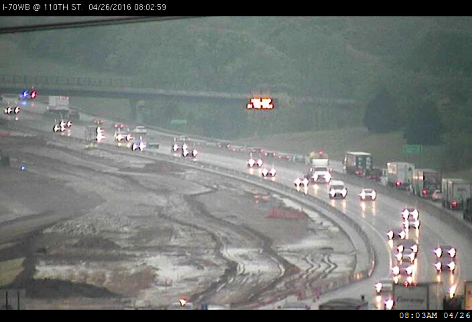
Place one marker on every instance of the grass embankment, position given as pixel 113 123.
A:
pixel 10 270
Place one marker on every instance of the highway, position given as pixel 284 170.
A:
pixel 375 218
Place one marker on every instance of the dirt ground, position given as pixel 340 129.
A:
pixel 133 233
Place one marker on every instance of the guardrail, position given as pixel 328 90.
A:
pixel 91 82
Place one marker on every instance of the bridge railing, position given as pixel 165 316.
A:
pixel 75 81
pixel 32 80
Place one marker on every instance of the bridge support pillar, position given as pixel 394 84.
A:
pixel 135 113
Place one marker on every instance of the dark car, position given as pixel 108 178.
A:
pixel 374 174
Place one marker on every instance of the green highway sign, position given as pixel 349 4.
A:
pixel 178 122
pixel 412 148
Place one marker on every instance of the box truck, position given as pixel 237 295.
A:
pixel 455 193
pixel 400 174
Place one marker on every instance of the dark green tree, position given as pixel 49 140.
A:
pixel 424 125
pixel 381 114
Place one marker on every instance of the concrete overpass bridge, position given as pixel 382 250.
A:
pixel 136 91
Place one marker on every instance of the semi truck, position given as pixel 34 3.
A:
pixel 358 163
pixel 58 103
pixel 320 172
pixel 58 107
pixel 400 174
pixel 455 193
pixel 423 296
pixel 425 182
pixel 320 155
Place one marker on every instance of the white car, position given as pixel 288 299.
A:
pixel 445 251
pixel 407 255
pixel 407 244
pixel 251 163
pixel 410 214
pixel 269 172
pixel 384 286
pixel 408 224
pixel 337 190
pixel 321 175
pixel 140 129
pixel 397 234
pixel 445 264
pixel 139 145
pixel 405 269
pixel 301 182
pixel 368 194
pixel 437 195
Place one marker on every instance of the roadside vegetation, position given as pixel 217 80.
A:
pixel 408 76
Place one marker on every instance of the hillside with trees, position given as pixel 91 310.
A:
pixel 414 59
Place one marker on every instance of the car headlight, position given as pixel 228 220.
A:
pixel 452 252
pixel 396 270
pixel 378 287
pixel 405 214
pixel 452 266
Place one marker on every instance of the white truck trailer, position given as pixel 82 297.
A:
pixel 400 174
pixel 358 163
pixel 455 192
